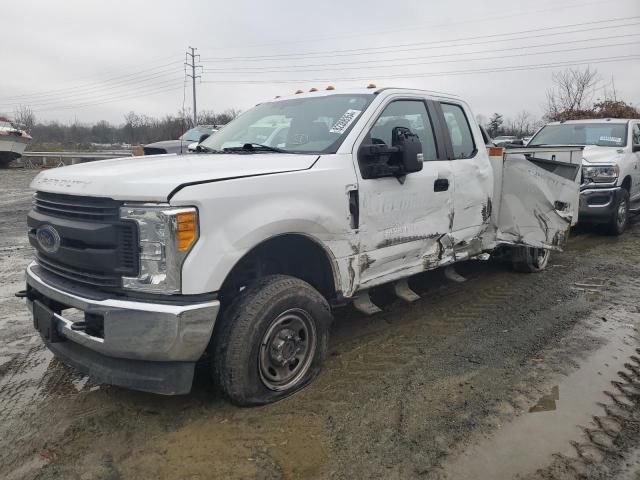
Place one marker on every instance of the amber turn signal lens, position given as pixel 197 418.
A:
pixel 186 230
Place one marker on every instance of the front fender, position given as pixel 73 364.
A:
pixel 237 215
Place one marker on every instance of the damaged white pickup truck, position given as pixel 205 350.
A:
pixel 300 205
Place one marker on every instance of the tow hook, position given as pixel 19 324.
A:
pixel 21 294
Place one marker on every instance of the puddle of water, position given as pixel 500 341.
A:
pixel 528 443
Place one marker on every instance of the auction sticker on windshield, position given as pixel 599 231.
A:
pixel 611 139
pixel 343 123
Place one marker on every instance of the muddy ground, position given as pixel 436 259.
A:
pixel 506 375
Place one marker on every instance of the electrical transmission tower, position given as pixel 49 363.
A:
pixel 191 58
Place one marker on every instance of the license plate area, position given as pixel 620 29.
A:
pixel 45 322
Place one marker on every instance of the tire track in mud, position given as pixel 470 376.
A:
pixel 481 298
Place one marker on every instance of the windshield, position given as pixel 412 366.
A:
pixel 300 125
pixel 601 134
pixel 194 134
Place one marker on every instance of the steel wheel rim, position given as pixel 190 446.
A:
pixel 539 257
pixel 622 213
pixel 287 349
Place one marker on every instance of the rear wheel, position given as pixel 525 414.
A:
pixel 619 217
pixel 529 259
pixel 271 341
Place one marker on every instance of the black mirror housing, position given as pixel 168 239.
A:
pixel 410 149
pixel 635 148
pixel 402 158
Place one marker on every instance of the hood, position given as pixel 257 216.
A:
pixel 155 177
pixel 593 154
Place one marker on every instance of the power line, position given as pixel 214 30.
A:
pixel 114 95
pixel 434 74
pixel 422 26
pixel 378 64
pixel 93 91
pixel 97 83
pixel 435 44
pixel 90 104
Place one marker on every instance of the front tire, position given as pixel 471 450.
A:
pixel 271 341
pixel 620 216
pixel 529 259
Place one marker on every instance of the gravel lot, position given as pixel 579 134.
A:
pixel 504 375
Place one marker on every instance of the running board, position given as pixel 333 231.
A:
pixel 402 290
pixel 362 302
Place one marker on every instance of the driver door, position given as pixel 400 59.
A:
pixel 404 222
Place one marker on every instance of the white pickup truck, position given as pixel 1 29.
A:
pixel 242 251
pixel 610 186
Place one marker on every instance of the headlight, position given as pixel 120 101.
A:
pixel 165 236
pixel 602 174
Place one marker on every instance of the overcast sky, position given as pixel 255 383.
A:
pixel 86 61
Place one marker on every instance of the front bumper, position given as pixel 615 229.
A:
pixel 598 204
pixel 145 346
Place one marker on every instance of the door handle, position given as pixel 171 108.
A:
pixel 441 185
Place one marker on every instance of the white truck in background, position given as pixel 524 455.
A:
pixel 610 184
pixel 144 264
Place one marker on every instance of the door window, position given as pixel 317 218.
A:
pixel 636 134
pixel 411 114
pixel 459 131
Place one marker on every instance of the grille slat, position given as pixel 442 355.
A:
pixel 69 206
pixel 77 275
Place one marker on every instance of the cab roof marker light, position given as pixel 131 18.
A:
pixel 313 89
pixel 330 87
pixel 371 85
pixel 299 91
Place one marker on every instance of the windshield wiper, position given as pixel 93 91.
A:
pixel 204 148
pixel 254 147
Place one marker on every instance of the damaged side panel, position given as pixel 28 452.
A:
pixel 539 197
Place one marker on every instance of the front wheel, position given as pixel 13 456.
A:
pixel 619 217
pixel 529 259
pixel 272 340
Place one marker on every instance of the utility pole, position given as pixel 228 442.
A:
pixel 193 57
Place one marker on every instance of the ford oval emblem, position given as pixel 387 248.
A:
pixel 48 238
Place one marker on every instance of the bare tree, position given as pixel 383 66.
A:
pixel 572 92
pixel 523 124
pixel 23 115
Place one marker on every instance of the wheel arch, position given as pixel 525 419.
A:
pixel 626 183
pixel 296 254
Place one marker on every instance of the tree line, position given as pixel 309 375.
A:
pixel 136 129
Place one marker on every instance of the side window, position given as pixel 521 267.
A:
pixel 459 131
pixel 636 134
pixel 411 114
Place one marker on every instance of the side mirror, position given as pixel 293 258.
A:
pixel 193 147
pixel 410 149
pixel 203 137
pixel 635 148
pixel 402 158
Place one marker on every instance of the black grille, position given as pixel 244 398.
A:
pixel 97 248
pixel 70 206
